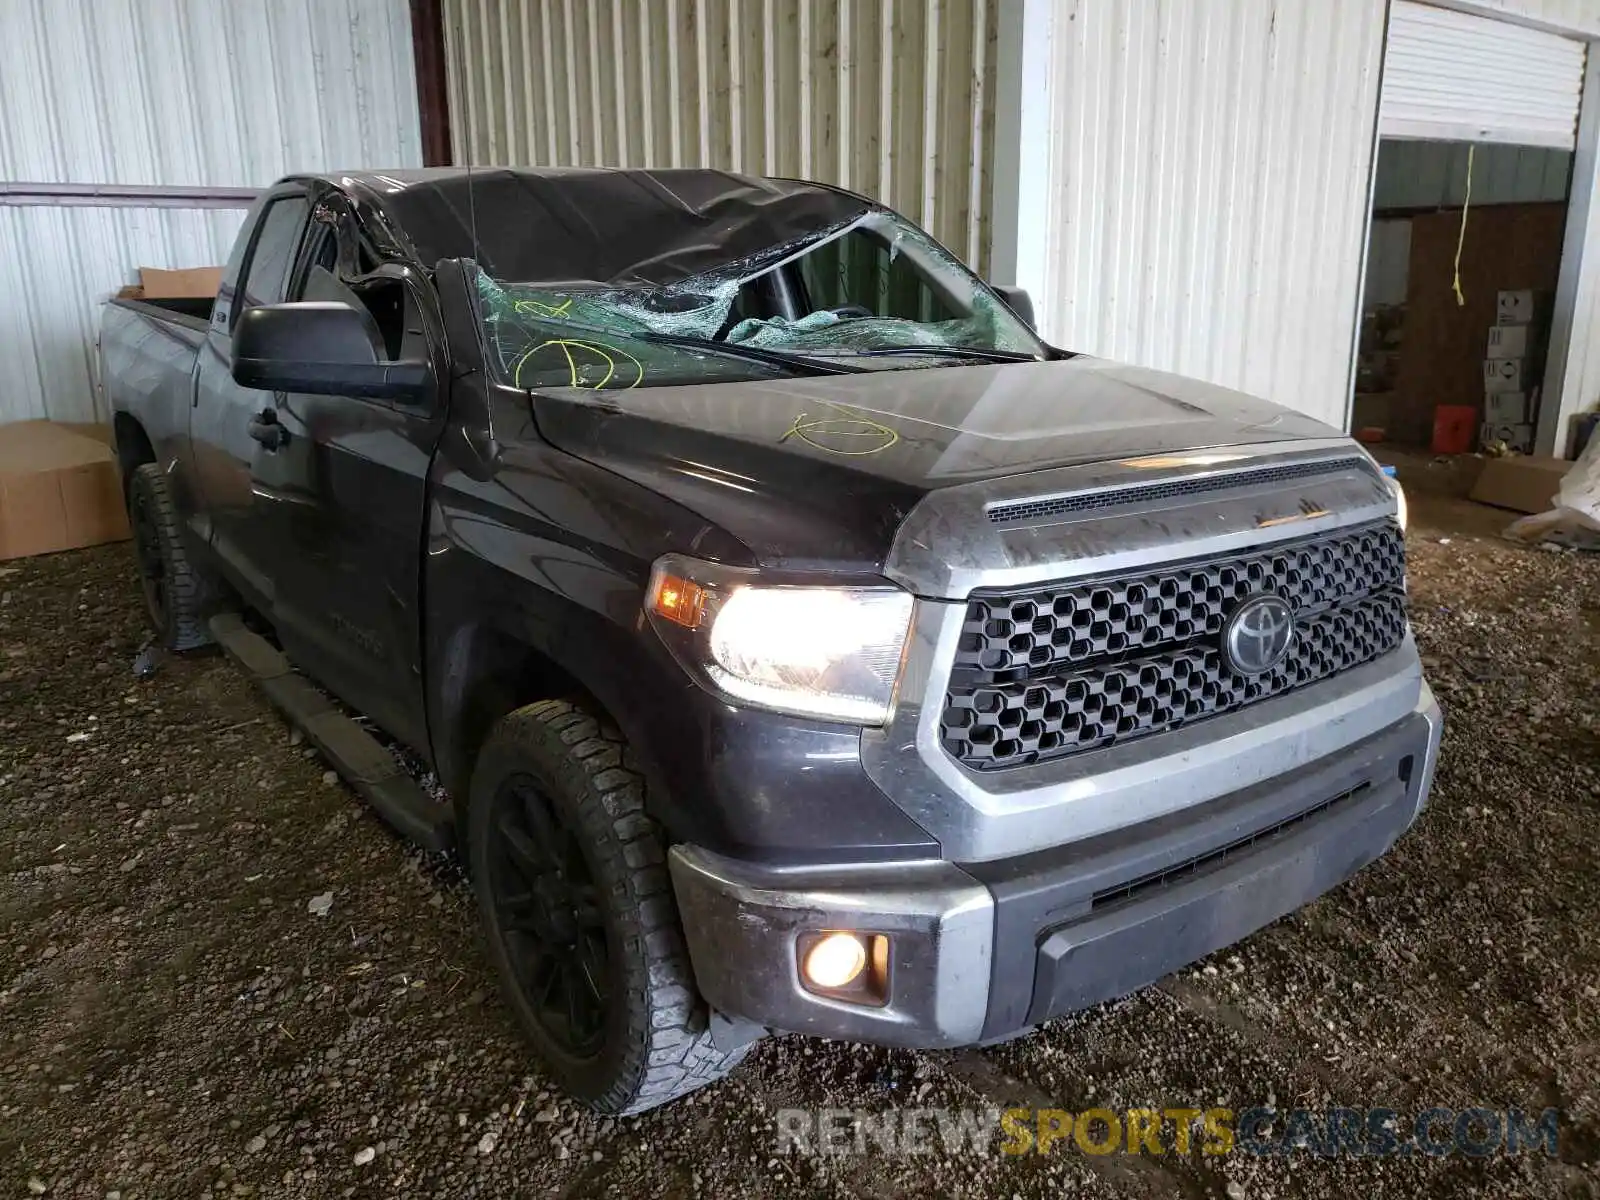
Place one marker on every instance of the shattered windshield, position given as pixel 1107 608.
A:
pixel 872 293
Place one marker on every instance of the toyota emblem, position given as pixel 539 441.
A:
pixel 1258 635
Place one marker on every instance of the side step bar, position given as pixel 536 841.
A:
pixel 358 757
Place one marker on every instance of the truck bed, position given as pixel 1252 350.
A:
pixel 147 356
pixel 194 312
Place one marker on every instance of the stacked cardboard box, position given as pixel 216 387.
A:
pixel 1513 359
pixel 58 488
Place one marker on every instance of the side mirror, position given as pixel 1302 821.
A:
pixel 321 347
pixel 1018 301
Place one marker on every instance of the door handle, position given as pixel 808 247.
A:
pixel 265 429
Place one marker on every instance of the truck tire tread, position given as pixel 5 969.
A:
pixel 666 1049
pixel 189 592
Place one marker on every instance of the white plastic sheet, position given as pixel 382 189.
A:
pixel 1575 520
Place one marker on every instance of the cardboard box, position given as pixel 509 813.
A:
pixel 1509 341
pixel 1505 408
pixel 1516 307
pixel 1526 483
pixel 59 490
pixel 1504 375
pixel 192 283
pixel 1516 436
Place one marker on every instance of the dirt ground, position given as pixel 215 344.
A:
pixel 176 1021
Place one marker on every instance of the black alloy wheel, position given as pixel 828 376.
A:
pixel 547 906
pixel 583 928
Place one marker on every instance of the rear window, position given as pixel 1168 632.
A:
pixel 274 252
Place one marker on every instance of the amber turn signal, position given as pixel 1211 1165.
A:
pixel 679 600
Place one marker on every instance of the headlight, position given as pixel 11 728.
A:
pixel 1389 474
pixel 822 652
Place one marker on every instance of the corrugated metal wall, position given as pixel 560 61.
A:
pixel 891 98
pixel 1562 16
pixel 57 266
pixel 1205 194
pixel 1434 174
pixel 169 92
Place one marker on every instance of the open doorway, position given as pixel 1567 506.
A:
pixel 1455 314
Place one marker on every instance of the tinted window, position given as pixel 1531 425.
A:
pixel 274 251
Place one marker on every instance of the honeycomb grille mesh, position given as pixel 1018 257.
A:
pixel 1073 667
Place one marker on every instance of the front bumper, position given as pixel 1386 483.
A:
pixel 983 950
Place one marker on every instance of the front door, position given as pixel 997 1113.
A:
pixel 348 490
pixel 319 514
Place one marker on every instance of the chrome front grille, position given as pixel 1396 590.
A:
pixel 1058 669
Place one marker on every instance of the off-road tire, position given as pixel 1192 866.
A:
pixel 657 1044
pixel 178 610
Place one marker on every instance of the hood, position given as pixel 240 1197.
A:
pixel 818 472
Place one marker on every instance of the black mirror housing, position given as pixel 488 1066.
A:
pixel 322 348
pixel 1018 301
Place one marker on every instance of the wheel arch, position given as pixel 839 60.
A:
pixel 133 445
pixel 484 671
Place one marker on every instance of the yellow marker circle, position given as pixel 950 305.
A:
pixel 850 436
pixel 595 352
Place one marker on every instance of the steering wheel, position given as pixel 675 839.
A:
pixel 851 312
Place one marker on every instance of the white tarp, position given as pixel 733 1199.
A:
pixel 1575 520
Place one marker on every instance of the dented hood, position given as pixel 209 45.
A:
pixel 819 471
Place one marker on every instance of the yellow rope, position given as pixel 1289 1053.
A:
pixel 1461 237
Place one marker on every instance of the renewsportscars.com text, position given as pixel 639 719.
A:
pixel 1330 1133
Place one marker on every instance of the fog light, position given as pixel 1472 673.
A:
pixel 835 960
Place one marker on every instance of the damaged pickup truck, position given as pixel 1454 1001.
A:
pixel 800 642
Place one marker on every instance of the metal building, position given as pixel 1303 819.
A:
pixel 135 133
pixel 893 98
pixel 1182 185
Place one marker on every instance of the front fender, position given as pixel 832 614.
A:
pixel 533 586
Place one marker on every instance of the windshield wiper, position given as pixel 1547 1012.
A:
pixel 772 358
pixel 979 352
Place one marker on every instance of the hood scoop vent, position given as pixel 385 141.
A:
pixel 1038 508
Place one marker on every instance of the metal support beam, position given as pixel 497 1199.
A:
pixel 1005 174
pixel 112 195
pixel 1571 321
pixel 1021 178
pixel 433 103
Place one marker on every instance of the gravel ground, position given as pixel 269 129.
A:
pixel 175 1020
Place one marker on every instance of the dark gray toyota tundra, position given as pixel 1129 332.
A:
pixel 800 643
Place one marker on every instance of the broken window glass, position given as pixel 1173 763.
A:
pixel 865 294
